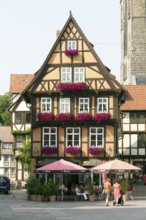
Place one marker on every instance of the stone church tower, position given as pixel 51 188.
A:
pixel 133 42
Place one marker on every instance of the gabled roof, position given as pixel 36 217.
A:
pixel 19 81
pixel 5 134
pixel 106 74
pixel 135 98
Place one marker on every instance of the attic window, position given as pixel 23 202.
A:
pixel 71 45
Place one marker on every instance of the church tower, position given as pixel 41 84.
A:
pixel 133 42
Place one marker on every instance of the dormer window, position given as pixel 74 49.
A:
pixel 71 45
pixel 102 104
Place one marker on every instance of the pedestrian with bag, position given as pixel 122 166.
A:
pixel 107 191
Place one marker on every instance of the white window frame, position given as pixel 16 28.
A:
pixel 46 104
pixel 79 74
pixel 64 105
pixel 6 158
pixel 73 133
pixel 102 104
pixel 71 45
pixel 98 134
pixel 48 133
pixel 6 171
pixel 7 146
pixel 84 104
pixel 66 74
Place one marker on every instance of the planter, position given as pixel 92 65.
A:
pixel 39 198
pixel 125 197
pixel 33 197
pixel 92 198
pixel 52 198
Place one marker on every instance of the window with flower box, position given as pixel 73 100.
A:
pixel 102 104
pixel 73 136
pixel 83 105
pixel 79 74
pixel 49 136
pixel 96 136
pixel 64 105
pixel 46 104
pixel 71 45
pixel 66 74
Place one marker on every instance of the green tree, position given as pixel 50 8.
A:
pixel 24 153
pixel 5 116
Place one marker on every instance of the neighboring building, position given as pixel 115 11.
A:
pixel 74 103
pixel 7 159
pixel 21 118
pixel 133 42
pixel 132 147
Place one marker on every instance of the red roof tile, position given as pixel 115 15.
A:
pixel 135 98
pixel 18 82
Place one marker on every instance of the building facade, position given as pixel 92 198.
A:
pixel 133 42
pixel 7 157
pixel 132 147
pixel 74 102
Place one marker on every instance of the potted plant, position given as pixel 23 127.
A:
pixel 53 190
pixel 38 188
pixel 31 184
pixel 124 188
pixel 90 186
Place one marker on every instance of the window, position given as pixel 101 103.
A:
pixel 50 136
pixel 12 159
pixel 79 74
pixel 96 137
pixel 6 146
pixel 71 45
pixel 6 171
pixel 138 117
pixel 19 141
pixel 66 74
pixel 19 117
pixel 102 104
pixel 141 140
pixel 46 104
pixel 13 170
pixel 73 136
pixel 6 158
pixel 64 105
pixel 28 117
pixel 83 105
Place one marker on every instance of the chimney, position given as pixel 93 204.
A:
pixel 57 33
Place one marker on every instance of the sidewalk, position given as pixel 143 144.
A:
pixel 140 193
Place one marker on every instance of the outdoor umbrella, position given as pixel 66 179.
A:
pixel 115 167
pixel 61 166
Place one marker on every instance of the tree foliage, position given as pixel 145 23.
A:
pixel 5 116
pixel 24 153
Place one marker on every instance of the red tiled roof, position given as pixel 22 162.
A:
pixel 18 82
pixel 135 98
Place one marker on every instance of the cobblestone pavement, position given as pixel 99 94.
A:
pixel 23 209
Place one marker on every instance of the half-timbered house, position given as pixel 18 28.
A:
pixel 74 102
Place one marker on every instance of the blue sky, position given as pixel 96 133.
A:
pixel 28 32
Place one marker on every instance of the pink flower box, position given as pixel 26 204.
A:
pixel 71 86
pixel 64 117
pixel 71 52
pixel 83 117
pixel 49 150
pixel 94 150
pixel 102 116
pixel 46 116
pixel 72 149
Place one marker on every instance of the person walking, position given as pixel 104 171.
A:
pixel 117 191
pixel 107 191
